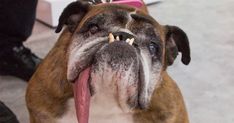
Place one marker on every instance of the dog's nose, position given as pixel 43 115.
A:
pixel 121 36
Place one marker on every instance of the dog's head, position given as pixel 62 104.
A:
pixel 123 50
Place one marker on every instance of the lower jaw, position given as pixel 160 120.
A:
pixel 83 97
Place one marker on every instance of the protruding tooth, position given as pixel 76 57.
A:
pixel 117 38
pixel 131 41
pixel 111 38
pixel 128 40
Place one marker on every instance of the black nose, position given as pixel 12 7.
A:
pixel 123 35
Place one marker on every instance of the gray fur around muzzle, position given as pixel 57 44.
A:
pixel 117 64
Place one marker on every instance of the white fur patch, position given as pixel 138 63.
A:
pixel 147 72
pixel 152 75
pixel 102 110
pixel 78 53
pixel 105 106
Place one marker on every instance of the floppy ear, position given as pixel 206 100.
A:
pixel 176 41
pixel 72 15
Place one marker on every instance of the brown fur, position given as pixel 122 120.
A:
pixel 167 105
pixel 48 91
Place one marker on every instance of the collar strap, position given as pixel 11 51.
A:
pixel 134 3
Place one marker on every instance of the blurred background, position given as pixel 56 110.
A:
pixel 207 83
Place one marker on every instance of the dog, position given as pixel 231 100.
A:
pixel 109 66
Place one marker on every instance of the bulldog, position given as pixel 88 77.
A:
pixel 109 66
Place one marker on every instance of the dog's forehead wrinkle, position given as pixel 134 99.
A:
pixel 107 18
pixel 129 19
pixel 121 16
pixel 144 18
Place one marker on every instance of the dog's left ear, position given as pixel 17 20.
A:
pixel 176 41
pixel 72 15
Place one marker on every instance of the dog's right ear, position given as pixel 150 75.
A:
pixel 72 15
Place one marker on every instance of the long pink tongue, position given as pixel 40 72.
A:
pixel 82 96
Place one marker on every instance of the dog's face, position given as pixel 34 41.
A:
pixel 126 49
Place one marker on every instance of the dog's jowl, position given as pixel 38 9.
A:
pixel 109 66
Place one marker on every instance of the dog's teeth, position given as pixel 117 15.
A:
pixel 128 40
pixel 117 38
pixel 131 41
pixel 111 38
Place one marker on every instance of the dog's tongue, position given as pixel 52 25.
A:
pixel 82 96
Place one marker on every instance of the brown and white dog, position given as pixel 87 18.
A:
pixel 109 66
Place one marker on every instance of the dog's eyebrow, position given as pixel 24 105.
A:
pixel 98 19
pixel 143 18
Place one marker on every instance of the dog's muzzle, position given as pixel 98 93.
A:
pixel 115 62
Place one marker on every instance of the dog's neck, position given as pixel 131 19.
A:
pixel 105 104
pixel 105 107
pixel 106 95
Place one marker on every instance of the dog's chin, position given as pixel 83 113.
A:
pixel 124 85
pixel 91 82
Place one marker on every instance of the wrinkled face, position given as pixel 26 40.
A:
pixel 118 52
pixel 124 51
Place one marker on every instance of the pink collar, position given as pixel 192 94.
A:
pixel 134 3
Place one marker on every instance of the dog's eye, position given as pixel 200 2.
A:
pixel 93 28
pixel 153 48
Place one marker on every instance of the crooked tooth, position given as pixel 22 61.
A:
pixel 111 38
pixel 128 40
pixel 131 41
pixel 117 38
